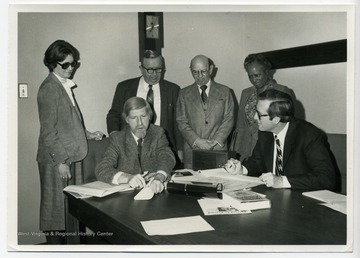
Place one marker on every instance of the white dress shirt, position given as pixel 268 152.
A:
pixel 142 92
pixel 67 84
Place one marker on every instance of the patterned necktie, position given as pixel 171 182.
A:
pixel 139 147
pixel 279 158
pixel 203 93
pixel 150 96
pixel 150 100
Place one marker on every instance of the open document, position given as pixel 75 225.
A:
pixel 97 188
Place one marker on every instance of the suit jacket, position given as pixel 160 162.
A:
pixel 122 155
pixel 168 94
pixel 62 138
pixel 214 123
pixel 245 135
pixel 62 133
pixel 306 158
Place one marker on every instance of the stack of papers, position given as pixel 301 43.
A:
pixel 331 200
pixel 97 189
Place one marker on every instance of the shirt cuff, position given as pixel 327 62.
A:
pixel 245 171
pixel 286 183
pixel 116 177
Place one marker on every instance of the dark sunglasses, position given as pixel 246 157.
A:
pixel 67 64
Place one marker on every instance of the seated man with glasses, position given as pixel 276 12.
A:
pixel 205 111
pixel 159 93
pixel 289 153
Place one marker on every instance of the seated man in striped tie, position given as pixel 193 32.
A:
pixel 289 153
pixel 138 153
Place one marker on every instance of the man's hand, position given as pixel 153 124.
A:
pixel 135 181
pixel 203 144
pixel 234 167
pixel 271 180
pixel 95 135
pixel 156 186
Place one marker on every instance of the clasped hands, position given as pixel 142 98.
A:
pixel 234 167
pixel 205 144
pixel 155 181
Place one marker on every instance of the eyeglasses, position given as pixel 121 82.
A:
pixel 67 64
pixel 152 70
pixel 197 73
pixel 260 115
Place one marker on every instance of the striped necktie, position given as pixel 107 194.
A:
pixel 150 100
pixel 279 158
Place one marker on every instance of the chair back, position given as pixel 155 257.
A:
pixel 94 156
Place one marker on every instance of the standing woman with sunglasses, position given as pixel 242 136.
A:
pixel 63 137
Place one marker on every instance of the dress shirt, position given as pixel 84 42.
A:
pixel 281 136
pixel 67 83
pixel 142 92
pixel 207 89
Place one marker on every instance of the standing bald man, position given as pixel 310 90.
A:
pixel 204 111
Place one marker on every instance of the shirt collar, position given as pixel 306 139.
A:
pixel 145 85
pixel 65 82
pixel 281 135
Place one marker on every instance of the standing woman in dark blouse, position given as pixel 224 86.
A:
pixel 63 137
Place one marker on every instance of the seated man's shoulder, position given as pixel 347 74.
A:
pixel 308 128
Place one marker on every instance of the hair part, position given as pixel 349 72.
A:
pixel 281 104
pixel 57 52
pixel 259 58
pixel 136 103
pixel 152 54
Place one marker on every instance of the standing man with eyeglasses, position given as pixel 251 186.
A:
pixel 290 152
pixel 204 112
pixel 159 93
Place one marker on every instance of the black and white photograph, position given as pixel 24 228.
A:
pixel 181 128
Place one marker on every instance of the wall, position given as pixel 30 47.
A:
pixel 108 44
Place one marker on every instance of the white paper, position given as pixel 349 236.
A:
pixel 96 188
pixel 176 226
pixel 337 206
pixel 145 194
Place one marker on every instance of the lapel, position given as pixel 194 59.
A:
pixel 131 144
pixel 195 99
pixel 66 96
pixel 214 95
pixel 269 149
pixel 163 102
pixel 289 141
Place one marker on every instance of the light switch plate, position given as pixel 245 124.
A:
pixel 23 90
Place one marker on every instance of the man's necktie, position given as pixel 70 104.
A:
pixel 279 158
pixel 139 147
pixel 150 100
pixel 150 96
pixel 203 93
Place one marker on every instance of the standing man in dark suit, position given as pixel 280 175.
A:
pixel 258 68
pixel 290 153
pixel 205 111
pixel 161 95
pixel 139 147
